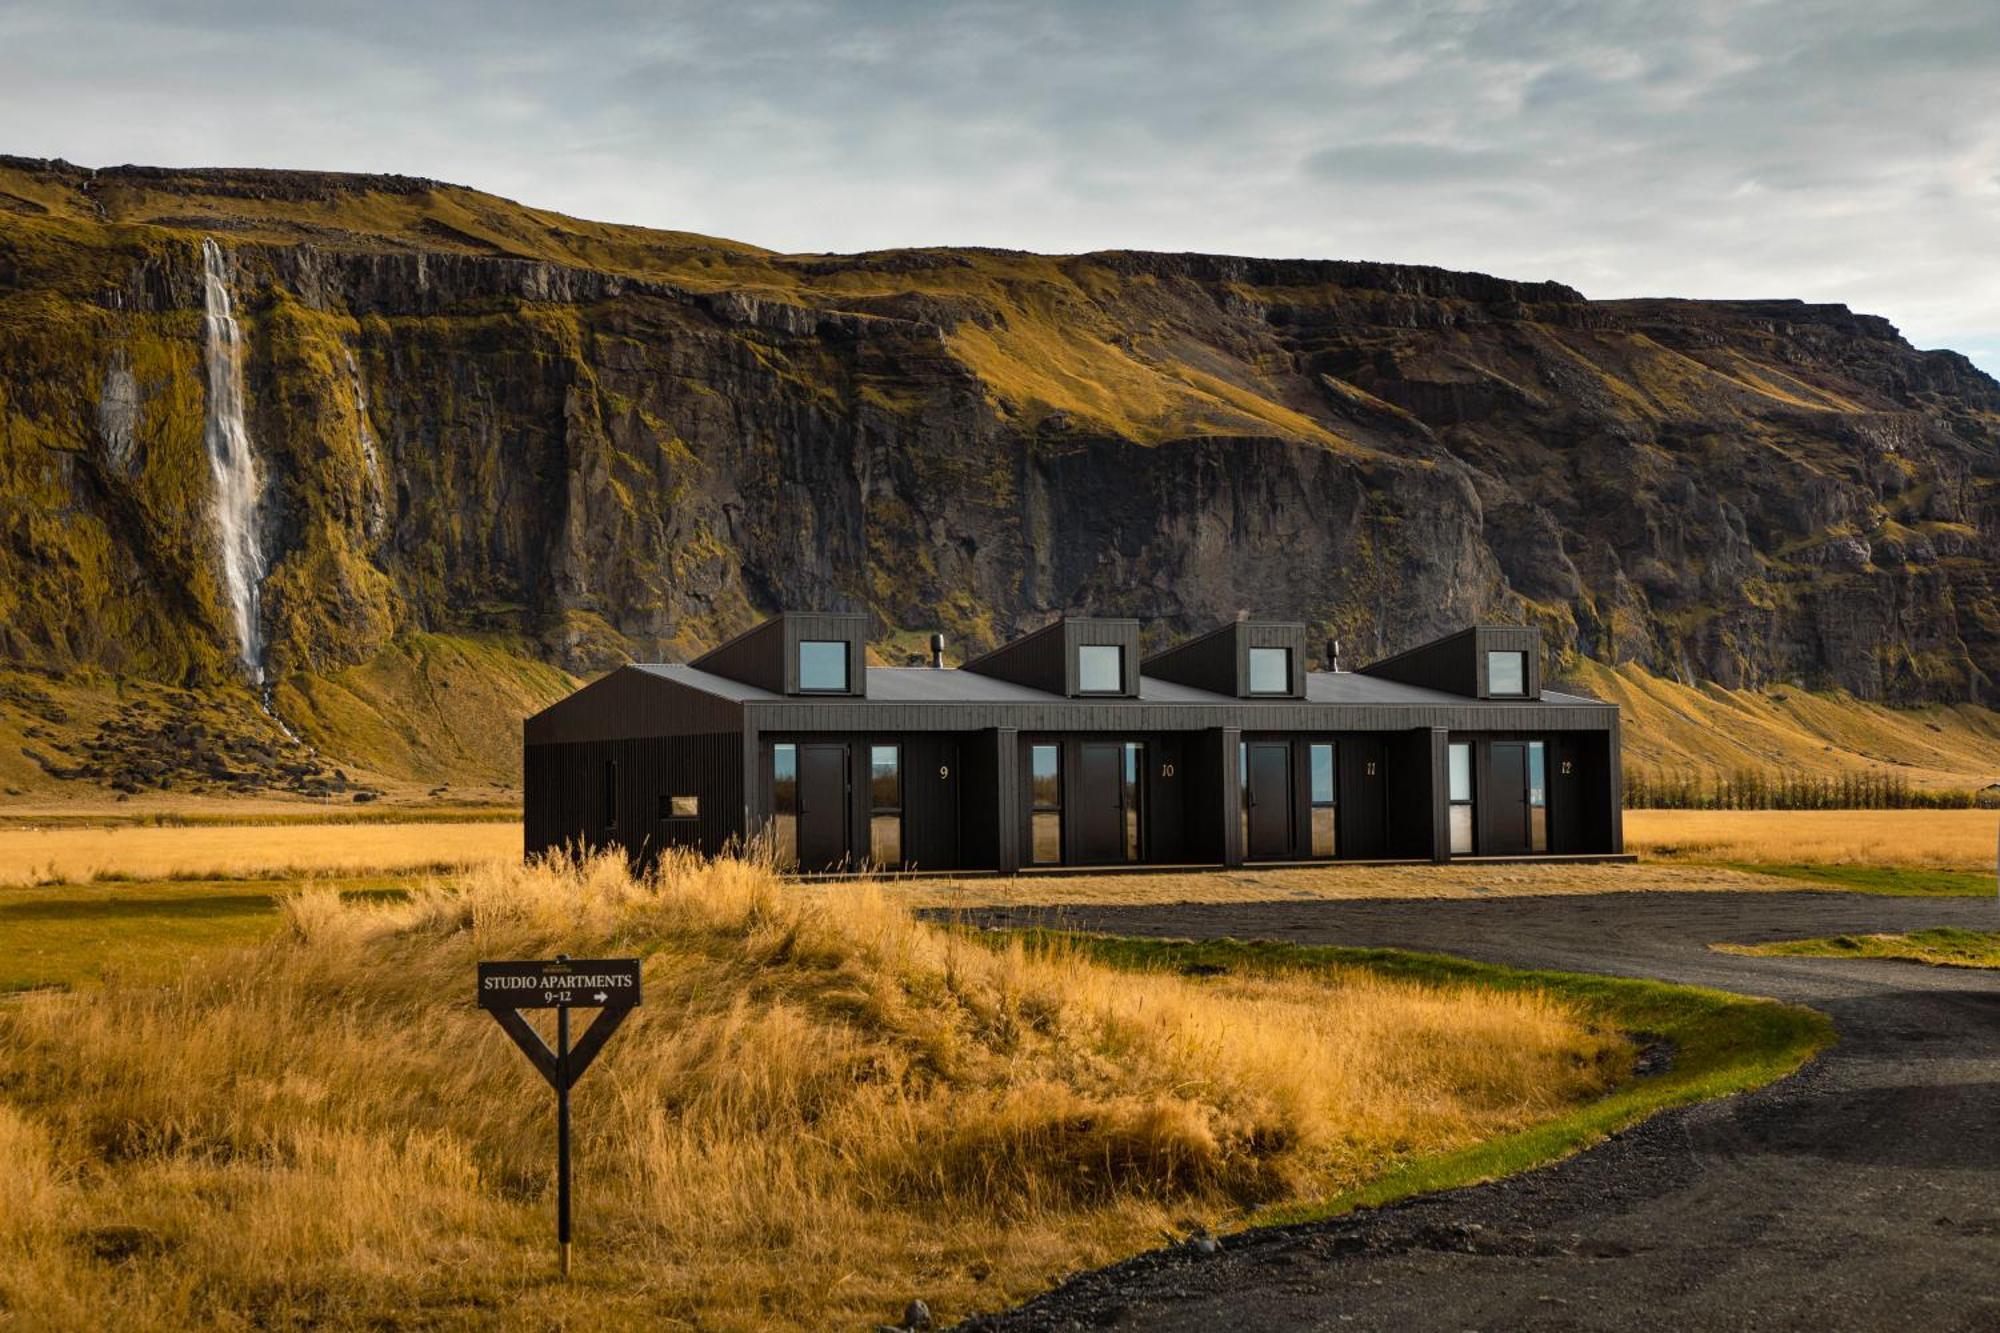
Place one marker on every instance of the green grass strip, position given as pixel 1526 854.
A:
pixel 1943 946
pixel 1895 881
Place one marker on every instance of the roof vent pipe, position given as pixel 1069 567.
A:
pixel 1333 654
pixel 937 652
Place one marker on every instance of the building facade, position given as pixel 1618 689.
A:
pixel 1067 748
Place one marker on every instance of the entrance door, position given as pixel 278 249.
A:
pixel 824 800
pixel 1364 807
pixel 1098 804
pixel 1268 801
pixel 1506 799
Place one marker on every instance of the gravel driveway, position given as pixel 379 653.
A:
pixel 1863 1192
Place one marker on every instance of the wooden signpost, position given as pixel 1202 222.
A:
pixel 608 985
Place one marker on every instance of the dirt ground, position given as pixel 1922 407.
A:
pixel 1329 883
pixel 1856 1194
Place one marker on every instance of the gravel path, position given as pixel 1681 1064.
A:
pixel 1863 1192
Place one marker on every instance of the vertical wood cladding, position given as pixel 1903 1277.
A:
pixel 1034 660
pixel 768 656
pixel 567 799
pixel 1457 664
pixel 1046 659
pixel 1219 661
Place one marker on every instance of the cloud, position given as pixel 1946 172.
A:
pixel 1833 150
pixel 1398 163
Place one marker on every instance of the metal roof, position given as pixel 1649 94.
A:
pixel 951 685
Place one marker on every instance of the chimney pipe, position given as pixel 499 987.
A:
pixel 1333 654
pixel 937 652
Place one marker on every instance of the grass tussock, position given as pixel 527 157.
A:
pixel 824 1107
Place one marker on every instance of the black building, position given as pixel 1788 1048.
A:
pixel 1066 748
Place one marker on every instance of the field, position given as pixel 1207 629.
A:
pixel 71 854
pixel 1870 851
pixel 824 1108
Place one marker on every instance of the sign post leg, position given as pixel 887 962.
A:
pixel 562 1137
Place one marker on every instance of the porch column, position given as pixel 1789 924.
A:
pixel 1440 750
pixel 1007 799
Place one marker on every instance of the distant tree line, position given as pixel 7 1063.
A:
pixel 1784 789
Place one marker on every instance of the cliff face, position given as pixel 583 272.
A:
pixel 613 443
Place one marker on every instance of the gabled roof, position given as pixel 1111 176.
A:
pixel 951 685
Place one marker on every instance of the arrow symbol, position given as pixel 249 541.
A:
pixel 600 997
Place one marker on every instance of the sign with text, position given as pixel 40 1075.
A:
pixel 562 983
pixel 576 983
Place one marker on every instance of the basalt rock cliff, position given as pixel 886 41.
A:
pixel 606 443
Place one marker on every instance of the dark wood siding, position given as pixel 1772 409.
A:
pixel 1457 665
pixel 1219 661
pixel 1034 660
pixel 1133 716
pixel 629 704
pixel 768 656
pixel 1046 659
pixel 566 798
pixel 755 657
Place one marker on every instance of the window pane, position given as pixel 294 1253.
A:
pixel 683 807
pixel 1538 829
pixel 1047 849
pixel 1243 796
pixel 1461 771
pixel 1461 830
pixel 1322 775
pixel 1135 763
pixel 785 802
pixel 1270 671
pixel 1323 821
pixel 1046 769
pixel 1506 673
pixel 1100 668
pixel 885 839
pixel 822 665
pixel 1538 791
pixel 885 780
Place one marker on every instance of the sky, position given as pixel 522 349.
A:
pixel 1830 150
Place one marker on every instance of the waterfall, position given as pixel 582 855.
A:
pixel 237 484
pixel 373 498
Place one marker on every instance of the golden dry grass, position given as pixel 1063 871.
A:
pixel 824 1107
pixel 77 855
pixel 1944 839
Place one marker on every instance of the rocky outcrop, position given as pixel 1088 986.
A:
pixel 629 444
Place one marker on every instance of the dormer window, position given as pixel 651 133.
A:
pixel 1100 668
pixel 1507 674
pixel 1270 671
pixel 823 666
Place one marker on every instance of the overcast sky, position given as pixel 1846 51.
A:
pixel 1833 150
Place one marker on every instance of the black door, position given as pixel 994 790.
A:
pixel 1097 800
pixel 1505 799
pixel 1364 805
pixel 824 799
pixel 1268 797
